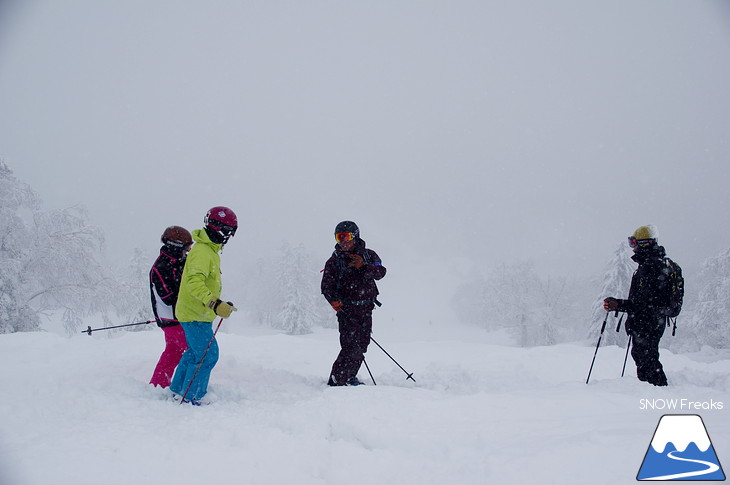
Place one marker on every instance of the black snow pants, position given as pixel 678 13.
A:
pixel 355 325
pixel 645 351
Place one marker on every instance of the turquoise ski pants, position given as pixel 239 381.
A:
pixel 198 335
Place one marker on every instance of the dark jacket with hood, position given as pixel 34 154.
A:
pixel 647 302
pixel 350 285
pixel 165 284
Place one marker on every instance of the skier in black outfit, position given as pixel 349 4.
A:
pixel 646 305
pixel 348 284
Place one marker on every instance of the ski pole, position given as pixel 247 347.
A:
pixel 603 329
pixel 408 375
pixel 626 357
pixel 89 329
pixel 368 368
pixel 182 398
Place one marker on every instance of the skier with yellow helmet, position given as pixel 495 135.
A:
pixel 646 304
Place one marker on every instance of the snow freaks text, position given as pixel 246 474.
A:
pixel 680 405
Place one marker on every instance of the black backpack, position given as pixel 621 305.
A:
pixel 675 290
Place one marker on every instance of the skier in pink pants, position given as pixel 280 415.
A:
pixel 164 287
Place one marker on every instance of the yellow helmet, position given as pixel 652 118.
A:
pixel 644 236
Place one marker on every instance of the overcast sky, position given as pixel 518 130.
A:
pixel 488 131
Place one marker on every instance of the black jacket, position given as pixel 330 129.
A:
pixel 647 302
pixel 165 284
pixel 350 285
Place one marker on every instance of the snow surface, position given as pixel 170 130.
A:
pixel 79 411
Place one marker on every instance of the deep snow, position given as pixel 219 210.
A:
pixel 79 411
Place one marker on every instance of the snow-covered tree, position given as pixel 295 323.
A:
pixel 134 302
pixel 50 261
pixel 283 292
pixel 17 203
pixel 298 290
pixel 551 294
pixel 65 268
pixel 616 283
pixel 711 319
pixel 511 295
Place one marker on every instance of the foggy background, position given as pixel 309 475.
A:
pixel 458 135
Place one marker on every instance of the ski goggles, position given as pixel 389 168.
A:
pixel 178 244
pixel 634 243
pixel 344 236
pixel 223 229
pixel 228 230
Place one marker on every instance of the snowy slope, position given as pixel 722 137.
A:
pixel 79 411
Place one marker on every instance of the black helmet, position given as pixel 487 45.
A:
pixel 347 226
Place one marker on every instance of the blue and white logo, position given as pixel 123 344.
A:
pixel 681 450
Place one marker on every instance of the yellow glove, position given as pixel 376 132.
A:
pixel 223 309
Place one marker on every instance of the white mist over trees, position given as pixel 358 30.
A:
pixel 534 310
pixel 284 292
pixel 51 261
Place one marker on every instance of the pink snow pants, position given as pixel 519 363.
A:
pixel 174 349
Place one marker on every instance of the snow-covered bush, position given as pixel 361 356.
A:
pixel 709 317
pixel 49 260
pixel 616 283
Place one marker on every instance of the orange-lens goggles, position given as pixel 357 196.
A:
pixel 644 243
pixel 344 236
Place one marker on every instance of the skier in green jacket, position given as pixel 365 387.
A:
pixel 199 302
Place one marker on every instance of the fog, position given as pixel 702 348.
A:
pixel 458 135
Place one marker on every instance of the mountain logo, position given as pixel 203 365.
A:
pixel 681 450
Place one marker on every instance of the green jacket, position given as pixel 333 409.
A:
pixel 201 280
